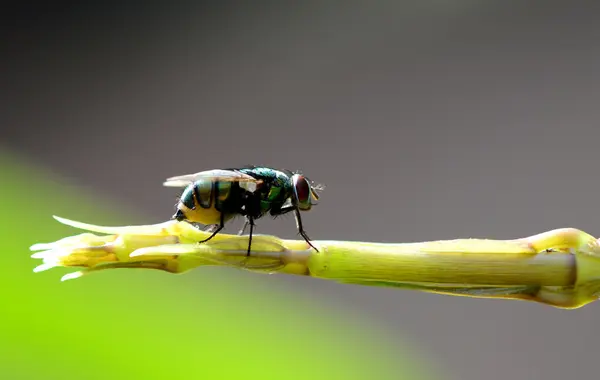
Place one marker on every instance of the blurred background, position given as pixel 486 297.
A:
pixel 426 120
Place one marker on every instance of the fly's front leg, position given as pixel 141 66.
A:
pixel 285 210
pixel 301 229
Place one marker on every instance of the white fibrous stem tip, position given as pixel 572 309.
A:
pixel 39 255
pixel 59 219
pixel 41 246
pixel 43 267
pixel 75 224
pixel 51 254
pixel 71 276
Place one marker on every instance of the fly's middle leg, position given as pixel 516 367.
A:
pixel 246 223
pixel 250 221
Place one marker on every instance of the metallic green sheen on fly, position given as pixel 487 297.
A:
pixel 214 197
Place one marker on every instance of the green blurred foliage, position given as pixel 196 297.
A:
pixel 143 324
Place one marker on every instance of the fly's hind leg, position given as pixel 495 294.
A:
pixel 210 228
pixel 216 228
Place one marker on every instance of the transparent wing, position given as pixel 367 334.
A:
pixel 216 174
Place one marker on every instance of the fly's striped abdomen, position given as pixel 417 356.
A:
pixel 203 192
pixel 205 200
pixel 223 193
pixel 209 194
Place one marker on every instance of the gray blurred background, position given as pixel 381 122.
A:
pixel 426 120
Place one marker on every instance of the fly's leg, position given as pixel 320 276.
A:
pixel 211 228
pixel 250 221
pixel 301 229
pixel 246 223
pixel 220 226
pixel 251 210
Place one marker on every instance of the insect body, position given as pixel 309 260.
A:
pixel 214 197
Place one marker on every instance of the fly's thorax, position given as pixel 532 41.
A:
pixel 270 177
pixel 263 172
pixel 274 188
pixel 275 195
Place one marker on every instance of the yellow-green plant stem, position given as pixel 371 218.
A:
pixel 560 268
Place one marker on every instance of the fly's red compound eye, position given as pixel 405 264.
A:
pixel 303 192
